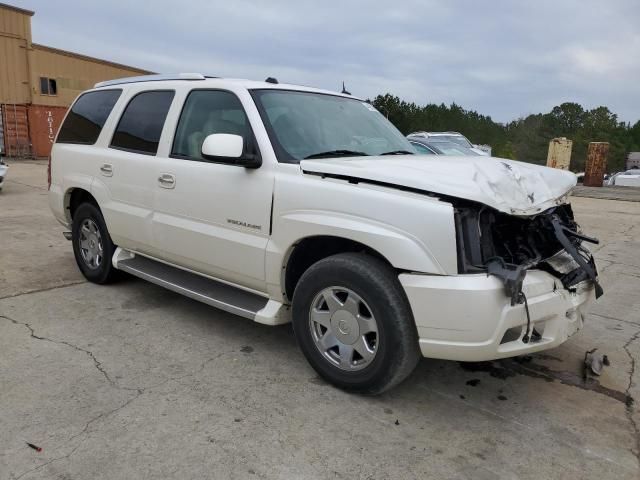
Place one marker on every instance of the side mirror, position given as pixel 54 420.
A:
pixel 226 146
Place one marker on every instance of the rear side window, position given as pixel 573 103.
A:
pixel 87 117
pixel 141 123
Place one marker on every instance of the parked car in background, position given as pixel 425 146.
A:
pixel 4 168
pixel 426 146
pixel 630 178
pixel 453 137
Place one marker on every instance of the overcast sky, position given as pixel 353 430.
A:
pixel 505 59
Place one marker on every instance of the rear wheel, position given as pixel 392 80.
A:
pixel 92 245
pixel 354 324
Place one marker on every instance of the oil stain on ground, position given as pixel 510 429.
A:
pixel 507 368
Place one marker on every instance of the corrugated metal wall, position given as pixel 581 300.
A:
pixel 73 74
pixel 15 41
pixel 31 118
pixel 1 132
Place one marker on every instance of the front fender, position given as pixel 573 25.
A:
pixel 401 249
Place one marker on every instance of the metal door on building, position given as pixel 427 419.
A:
pixel 16 130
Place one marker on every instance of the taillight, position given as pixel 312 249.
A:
pixel 49 173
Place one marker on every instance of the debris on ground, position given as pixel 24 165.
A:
pixel 35 447
pixel 594 362
pixel 473 382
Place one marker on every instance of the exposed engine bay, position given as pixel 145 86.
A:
pixel 507 246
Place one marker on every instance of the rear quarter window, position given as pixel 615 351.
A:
pixel 87 117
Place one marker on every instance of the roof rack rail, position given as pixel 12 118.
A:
pixel 150 78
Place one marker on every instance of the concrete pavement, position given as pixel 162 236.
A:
pixel 131 381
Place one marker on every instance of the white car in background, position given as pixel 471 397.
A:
pixel 4 168
pixel 630 178
pixel 453 137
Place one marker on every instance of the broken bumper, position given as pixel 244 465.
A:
pixel 469 317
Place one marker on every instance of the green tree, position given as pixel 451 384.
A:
pixel 525 139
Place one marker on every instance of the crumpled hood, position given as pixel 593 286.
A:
pixel 516 188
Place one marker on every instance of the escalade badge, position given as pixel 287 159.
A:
pixel 244 224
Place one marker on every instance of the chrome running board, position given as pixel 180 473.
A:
pixel 217 294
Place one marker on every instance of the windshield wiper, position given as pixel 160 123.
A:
pixel 337 153
pixel 398 152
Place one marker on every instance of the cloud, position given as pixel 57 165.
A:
pixel 502 58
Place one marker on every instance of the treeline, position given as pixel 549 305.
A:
pixel 526 138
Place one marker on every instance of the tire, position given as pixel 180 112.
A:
pixel 90 236
pixel 366 289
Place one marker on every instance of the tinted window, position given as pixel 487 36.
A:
pixel 206 112
pixel 87 117
pixel 141 123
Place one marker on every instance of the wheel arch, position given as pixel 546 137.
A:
pixel 309 250
pixel 74 197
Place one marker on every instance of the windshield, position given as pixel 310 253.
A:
pixel 459 139
pixel 450 148
pixel 305 124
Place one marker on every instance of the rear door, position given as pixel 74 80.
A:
pixel 212 217
pixel 80 147
pixel 125 172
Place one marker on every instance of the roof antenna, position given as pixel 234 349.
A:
pixel 271 80
pixel 344 90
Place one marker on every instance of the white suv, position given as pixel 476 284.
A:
pixel 285 203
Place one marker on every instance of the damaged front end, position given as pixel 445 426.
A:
pixel 507 246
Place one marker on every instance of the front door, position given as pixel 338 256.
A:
pixel 212 217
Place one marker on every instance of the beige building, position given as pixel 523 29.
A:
pixel 38 83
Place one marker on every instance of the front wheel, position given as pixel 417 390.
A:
pixel 354 324
pixel 92 245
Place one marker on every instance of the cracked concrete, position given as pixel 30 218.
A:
pixel 131 381
pixel 630 401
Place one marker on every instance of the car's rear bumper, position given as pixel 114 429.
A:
pixel 469 317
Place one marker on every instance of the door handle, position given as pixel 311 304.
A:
pixel 167 180
pixel 106 169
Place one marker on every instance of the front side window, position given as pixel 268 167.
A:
pixel 141 123
pixel 306 124
pixel 206 112
pixel 87 117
